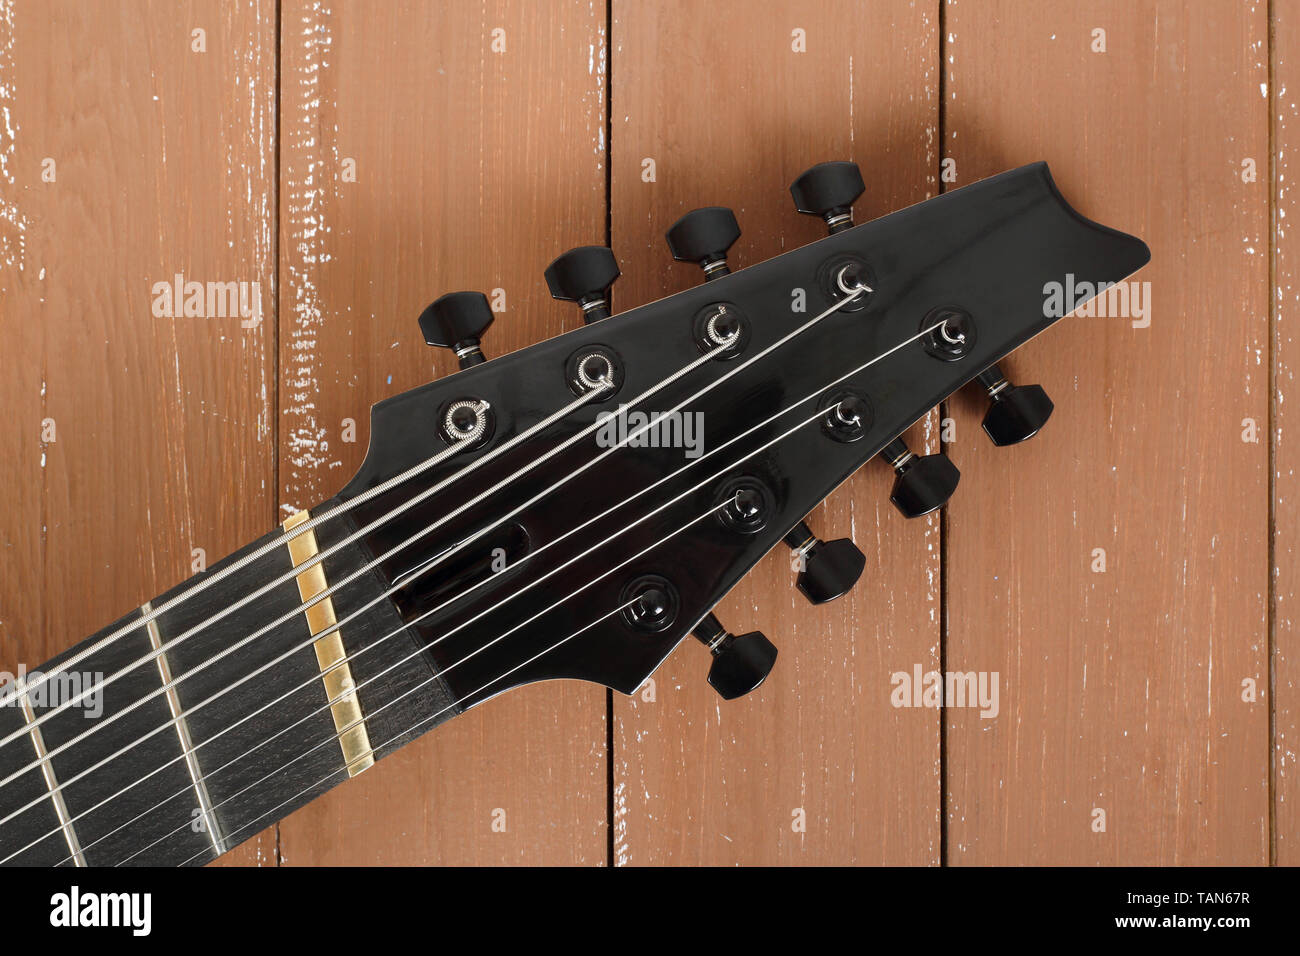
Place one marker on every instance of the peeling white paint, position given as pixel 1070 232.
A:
pixel 308 187
pixel 13 224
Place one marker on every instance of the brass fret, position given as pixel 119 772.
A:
pixel 349 721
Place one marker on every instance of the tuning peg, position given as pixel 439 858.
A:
pixel 584 275
pixel 829 568
pixel 1016 412
pixel 829 190
pixel 703 236
pixel 740 662
pixel 457 321
pixel 924 482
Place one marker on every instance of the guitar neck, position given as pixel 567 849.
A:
pixel 187 734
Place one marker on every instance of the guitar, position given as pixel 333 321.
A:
pixel 572 510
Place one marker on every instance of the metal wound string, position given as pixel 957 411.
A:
pixel 356 654
pixel 821 413
pixel 328 592
pixel 394 633
pixel 390 740
pixel 277 542
pixel 323 595
pixel 694 521
pixel 280 541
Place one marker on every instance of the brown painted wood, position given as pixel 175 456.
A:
pixel 473 169
pixel 1120 691
pixel 730 114
pixel 1285 80
pixel 163 164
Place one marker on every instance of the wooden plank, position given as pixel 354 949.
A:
pixel 161 166
pixel 1285 80
pixel 1121 691
pixel 730 113
pixel 473 169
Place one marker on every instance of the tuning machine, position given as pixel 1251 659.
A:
pixel 827 569
pixel 1016 412
pixel 703 236
pixel 923 482
pixel 829 190
pixel 584 275
pixel 741 662
pixel 457 321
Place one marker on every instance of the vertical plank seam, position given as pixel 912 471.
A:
pixel 278 88
pixel 609 241
pixel 61 812
pixel 1270 610
pixel 207 809
pixel 941 121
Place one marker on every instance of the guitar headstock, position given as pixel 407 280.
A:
pixel 576 508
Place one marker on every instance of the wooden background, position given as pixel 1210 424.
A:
pixel 1123 691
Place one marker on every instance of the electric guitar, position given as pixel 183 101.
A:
pixel 572 510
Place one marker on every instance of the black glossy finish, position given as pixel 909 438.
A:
pixel 703 236
pixel 829 190
pixel 924 482
pixel 830 568
pixel 592 563
pixel 925 485
pixel 457 321
pixel 799 536
pixel 740 662
pixel 987 249
pixel 584 275
pixel 1016 412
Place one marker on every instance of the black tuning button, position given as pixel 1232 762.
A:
pixel 1016 412
pixel 829 568
pixel 924 482
pixel 829 190
pixel 584 275
pixel 457 321
pixel 740 662
pixel 703 236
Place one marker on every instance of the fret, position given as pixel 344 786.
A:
pixel 258 770
pixel 397 691
pixel 116 758
pixel 192 764
pixel 244 719
pixel 39 824
pixel 240 754
pixel 224 751
pixel 52 783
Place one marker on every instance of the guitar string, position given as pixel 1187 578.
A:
pixel 712 510
pixel 390 740
pixel 314 679
pixel 277 541
pixel 850 297
pixel 25 687
pixel 820 414
pixel 704 359
pixel 327 592
pixel 382 519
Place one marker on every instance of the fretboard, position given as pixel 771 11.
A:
pixel 185 744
